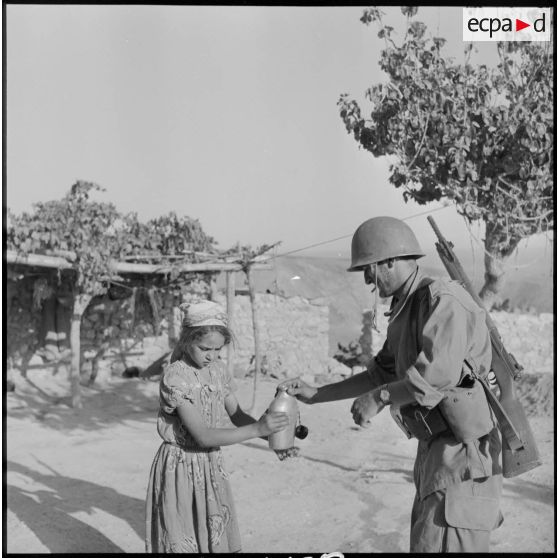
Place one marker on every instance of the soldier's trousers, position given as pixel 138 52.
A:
pixel 458 518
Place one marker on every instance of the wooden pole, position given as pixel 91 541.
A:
pixel 255 325
pixel 41 260
pixel 230 277
pixel 213 291
pixel 169 309
pixel 155 319
pixel 133 301
pixel 81 301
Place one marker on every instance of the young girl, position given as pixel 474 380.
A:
pixel 189 503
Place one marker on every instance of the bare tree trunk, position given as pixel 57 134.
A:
pixel 255 325
pixel 230 314
pixel 81 301
pixel 496 252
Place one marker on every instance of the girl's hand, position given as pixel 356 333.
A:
pixel 300 389
pixel 272 422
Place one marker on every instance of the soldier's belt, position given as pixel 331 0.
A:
pixel 419 422
pixel 464 412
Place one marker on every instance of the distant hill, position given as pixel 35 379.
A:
pixel 530 286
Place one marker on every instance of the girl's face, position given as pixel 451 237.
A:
pixel 205 350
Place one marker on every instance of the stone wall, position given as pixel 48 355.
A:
pixel 294 336
pixel 134 328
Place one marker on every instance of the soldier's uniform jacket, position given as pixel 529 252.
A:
pixel 432 330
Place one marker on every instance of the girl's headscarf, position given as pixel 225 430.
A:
pixel 203 313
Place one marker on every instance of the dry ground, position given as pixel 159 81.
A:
pixel 76 480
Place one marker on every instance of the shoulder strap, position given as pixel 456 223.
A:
pixel 417 298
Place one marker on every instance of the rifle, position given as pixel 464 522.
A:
pixel 520 453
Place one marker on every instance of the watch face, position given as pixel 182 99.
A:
pixel 384 396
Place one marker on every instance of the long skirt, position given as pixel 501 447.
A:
pixel 189 504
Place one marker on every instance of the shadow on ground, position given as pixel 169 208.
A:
pixel 102 406
pixel 47 512
pixel 528 490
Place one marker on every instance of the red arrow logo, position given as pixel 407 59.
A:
pixel 519 25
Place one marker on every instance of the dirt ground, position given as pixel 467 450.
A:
pixel 76 481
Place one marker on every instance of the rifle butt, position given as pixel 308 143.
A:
pixel 516 462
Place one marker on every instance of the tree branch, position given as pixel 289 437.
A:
pixel 409 166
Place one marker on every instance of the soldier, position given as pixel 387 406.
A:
pixel 437 344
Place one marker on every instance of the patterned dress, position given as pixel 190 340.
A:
pixel 189 502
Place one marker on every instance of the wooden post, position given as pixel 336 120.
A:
pixel 169 299
pixel 255 325
pixel 213 291
pixel 81 301
pixel 155 319
pixel 230 314
pixel 133 301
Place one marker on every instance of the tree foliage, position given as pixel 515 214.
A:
pixel 73 224
pixel 94 233
pixel 167 235
pixel 481 137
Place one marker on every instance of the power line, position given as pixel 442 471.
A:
pixel 348 235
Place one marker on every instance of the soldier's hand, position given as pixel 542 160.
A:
pixel 300 389
pixel 366 407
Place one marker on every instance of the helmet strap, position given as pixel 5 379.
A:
pixel 375 311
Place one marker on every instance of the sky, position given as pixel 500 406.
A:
pixel 225 114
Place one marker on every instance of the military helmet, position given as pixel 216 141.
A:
pixel 381 238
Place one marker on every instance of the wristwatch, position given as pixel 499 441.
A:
pixel 385 396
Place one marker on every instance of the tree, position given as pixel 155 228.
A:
pixel 78 226
pixel 478 136
pixel 92 235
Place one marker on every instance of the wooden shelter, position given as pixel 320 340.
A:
pixel 127 274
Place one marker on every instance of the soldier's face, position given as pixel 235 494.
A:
pixel 381 275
